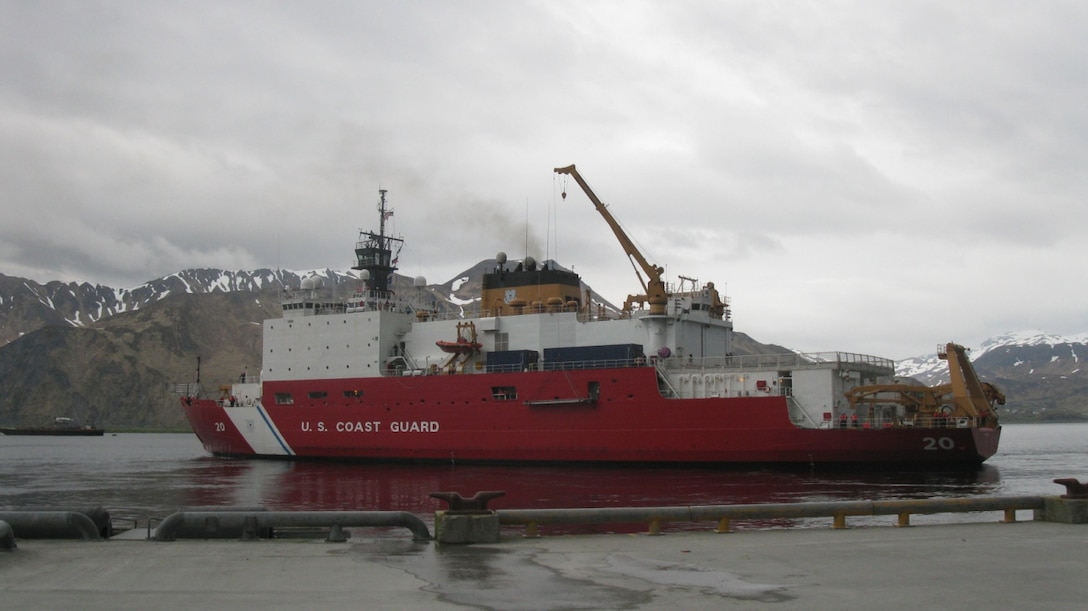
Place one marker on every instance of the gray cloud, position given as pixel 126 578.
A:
pixel 861 176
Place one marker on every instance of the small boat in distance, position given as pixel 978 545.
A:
pixel 61 426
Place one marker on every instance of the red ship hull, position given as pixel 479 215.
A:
pixel 468 418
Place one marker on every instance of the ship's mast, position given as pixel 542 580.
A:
pixel 374 251
pixel 381 211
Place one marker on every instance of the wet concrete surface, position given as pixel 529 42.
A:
pixel 496 577
pixel 1035 565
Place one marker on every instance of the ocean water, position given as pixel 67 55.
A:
pixel 146 476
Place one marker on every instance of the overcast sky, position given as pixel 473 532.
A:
pixel 878 177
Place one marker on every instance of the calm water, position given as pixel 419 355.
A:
pixel 139 476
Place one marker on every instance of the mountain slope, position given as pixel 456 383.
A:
pixel 121 371
pixel 111 356
pixel 1043 375
pixel 26 305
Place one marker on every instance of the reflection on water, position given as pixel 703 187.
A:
pixel 142 475
pixel 320 486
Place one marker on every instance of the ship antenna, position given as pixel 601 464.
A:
pixel 381 213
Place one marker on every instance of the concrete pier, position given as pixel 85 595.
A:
pixel 1031 564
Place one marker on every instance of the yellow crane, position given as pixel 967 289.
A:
pixel 655 293
pixel 965 396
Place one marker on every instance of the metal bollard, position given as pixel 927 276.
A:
pixel 7 537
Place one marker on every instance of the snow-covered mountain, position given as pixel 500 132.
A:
pixel 1042 374
pixel 26 305
pixel 1029 353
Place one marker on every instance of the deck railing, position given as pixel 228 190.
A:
pixel 787 361
pixel 724 515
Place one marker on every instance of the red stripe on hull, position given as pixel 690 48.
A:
pixel 459 418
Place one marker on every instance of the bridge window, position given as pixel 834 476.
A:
pixel 284 398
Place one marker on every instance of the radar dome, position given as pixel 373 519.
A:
pixel 307 284
pixel 501 258
pixel 364 274
pixel 530 263
pixel 419 281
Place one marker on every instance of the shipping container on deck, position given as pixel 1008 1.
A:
pixel 511 360
pixel 593 357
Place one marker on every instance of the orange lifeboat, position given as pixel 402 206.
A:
pixel 463 345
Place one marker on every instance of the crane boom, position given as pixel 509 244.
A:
pixel 965 396
pixel 656 294
pixel 967 389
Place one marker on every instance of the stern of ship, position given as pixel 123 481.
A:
pixel 986 441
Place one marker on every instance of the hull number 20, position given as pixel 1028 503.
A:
pixel 938 443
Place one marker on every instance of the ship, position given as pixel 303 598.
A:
pixel 539 371
pixel 61 426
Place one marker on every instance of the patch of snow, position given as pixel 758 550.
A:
pixel 461 302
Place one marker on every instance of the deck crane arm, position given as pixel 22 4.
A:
pixel 965 396
pixel 656 294
pixel 968 392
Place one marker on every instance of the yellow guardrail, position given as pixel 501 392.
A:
pixel 724 515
